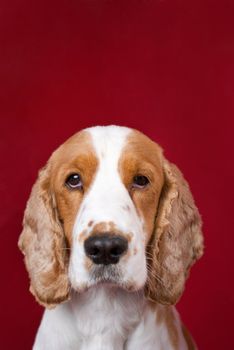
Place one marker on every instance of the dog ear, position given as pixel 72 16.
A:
pixel 177 240
pixel 44 246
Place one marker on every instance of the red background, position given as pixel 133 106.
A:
pixel 164 67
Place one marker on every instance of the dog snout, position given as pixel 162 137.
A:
pixel 106 248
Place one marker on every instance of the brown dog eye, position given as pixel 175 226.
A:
pixel 140 181
pixel 74 181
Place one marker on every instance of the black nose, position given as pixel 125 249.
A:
pixel 105 249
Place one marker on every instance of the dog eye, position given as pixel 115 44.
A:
pixel 74 182
pixel 140 181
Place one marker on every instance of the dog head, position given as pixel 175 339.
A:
pixel 109 208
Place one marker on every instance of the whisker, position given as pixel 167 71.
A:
pixel 153 275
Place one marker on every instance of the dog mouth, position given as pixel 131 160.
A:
pixel 109 276
pixel 112 276
pixel 106 274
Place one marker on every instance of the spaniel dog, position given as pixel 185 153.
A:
pixel 110 233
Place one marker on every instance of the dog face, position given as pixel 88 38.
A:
pixel 109 208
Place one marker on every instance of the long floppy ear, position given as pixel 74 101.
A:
pixel 177 241
pixel 43 244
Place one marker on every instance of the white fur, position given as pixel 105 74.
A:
pixel 106 316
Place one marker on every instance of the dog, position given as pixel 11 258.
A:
pixel 110 232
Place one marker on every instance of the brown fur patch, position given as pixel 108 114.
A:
pixel 49 218
pixel 75 156
pixel 110 228
pixel 100 228
pixel 141 156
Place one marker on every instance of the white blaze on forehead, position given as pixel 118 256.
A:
pixel 107 194
pixel 108 142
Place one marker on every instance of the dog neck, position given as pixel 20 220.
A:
pixel 106 314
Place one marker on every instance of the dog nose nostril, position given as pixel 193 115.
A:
pixel 115 251
pixel 94 248
pixel 105 249
pixel 94 251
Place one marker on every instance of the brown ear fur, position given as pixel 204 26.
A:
pixel 43 244
pixel 177 241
